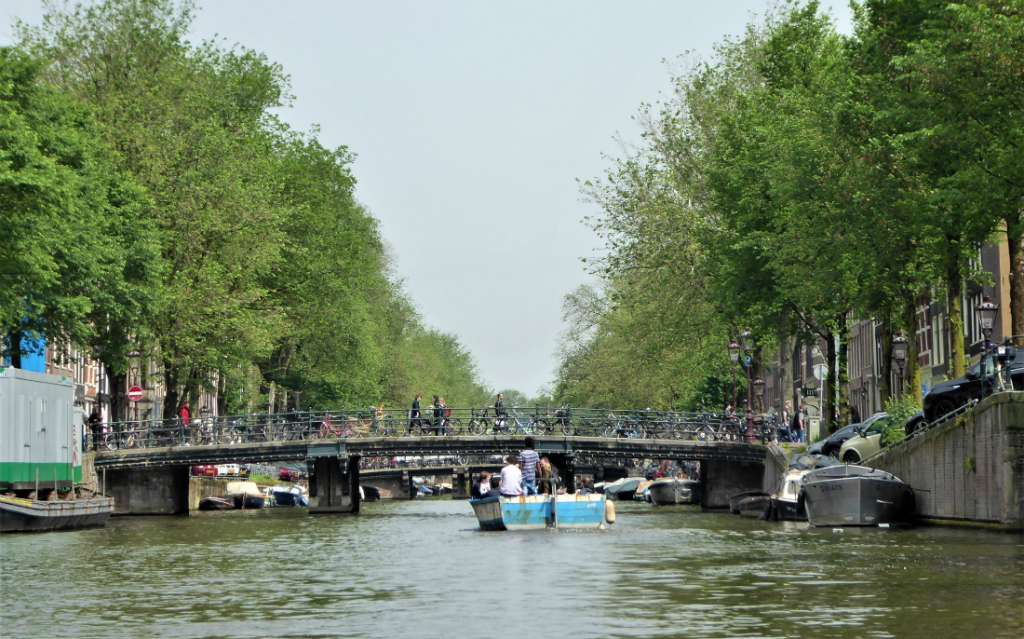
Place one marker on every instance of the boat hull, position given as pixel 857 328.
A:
pixel 671 492
pixel 248 501
pixel 27 515
pixel 538 512
pixel 786 510
pixel 858 499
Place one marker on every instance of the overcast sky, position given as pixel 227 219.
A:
pixel 471 122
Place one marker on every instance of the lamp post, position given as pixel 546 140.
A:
pixel 759 393
pixel 899 357
pixel 986 314
pixel 747 343
pixel 734 357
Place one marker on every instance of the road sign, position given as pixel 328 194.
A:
pixel 135 393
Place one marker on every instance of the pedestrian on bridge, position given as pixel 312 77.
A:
pixel 414 413
pixel 438 407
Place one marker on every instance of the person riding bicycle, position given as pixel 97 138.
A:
pixel 500 416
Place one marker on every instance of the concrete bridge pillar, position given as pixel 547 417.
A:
pixel 566 465
pixel 460 484
pixel 147 491
pixel 334 485
pixel 721 480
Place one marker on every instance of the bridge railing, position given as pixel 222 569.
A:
pixel 448 422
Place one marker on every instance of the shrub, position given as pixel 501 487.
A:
pixel 899 409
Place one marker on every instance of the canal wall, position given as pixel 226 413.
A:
pixel 970 470
pixel 200 487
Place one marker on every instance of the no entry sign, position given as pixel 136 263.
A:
pixel 135 393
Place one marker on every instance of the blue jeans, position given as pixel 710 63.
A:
pixel 530 487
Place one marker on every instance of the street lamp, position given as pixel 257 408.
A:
pixel 747 343
pixel 986 315
pixel 759 391
pixel 899 357
pixel 734 357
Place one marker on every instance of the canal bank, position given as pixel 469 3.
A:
pixel 968 471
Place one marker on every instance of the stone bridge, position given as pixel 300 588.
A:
pixel 145 465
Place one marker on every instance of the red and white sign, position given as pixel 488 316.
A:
pixel 135 393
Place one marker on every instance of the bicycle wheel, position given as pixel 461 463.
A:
pixel 479 426
pixel 542 427
pixel 567 428
pixel 453 426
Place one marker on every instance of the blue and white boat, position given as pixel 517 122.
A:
pixel 290 496
pixel 543 511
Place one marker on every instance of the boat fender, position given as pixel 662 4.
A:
pixel 609 511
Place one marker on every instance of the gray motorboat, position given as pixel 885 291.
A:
pixel 848 495
pixel 668 491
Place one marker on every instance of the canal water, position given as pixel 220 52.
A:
pixel 422 569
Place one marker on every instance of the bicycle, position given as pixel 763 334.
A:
pixel 479 424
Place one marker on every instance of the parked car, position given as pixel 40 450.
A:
pixel 836 440
pixel 916 421
pixel 946 397
pixel 204 471
pixel 866 442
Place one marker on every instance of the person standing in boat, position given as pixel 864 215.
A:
pixel 546 474
pixel 528 460
pixel 511 479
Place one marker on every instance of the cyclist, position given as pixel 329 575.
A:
pixel 499 411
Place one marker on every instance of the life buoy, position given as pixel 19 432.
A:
pixel 609 511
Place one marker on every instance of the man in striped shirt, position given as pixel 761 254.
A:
pixel 528 460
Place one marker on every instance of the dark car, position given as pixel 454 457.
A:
pixel 946 397
pixel 914 422
pixel 836 440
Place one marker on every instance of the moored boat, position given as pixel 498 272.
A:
pixel 31 515
pixel 623 489
pixel 216 503
pixel 542 511
pixel 745 499
pixel 786 503
pixel 669 491
pixel 245 494
pixel 755 505
pixel 290 496
pixel 848 495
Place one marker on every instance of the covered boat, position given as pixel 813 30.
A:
pixel 669 491
pixel 32 515
pixel 290 496
pixel 848 495
pixel 542 511
pixel 623 489
pixel 786 503
pixel 245 494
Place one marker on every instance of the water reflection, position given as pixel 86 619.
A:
pixel 424 570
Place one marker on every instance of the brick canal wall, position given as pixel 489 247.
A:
pixel 969 470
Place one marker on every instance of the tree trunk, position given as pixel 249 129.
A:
pixel 270 398
pixel 170 389
pixel 828 412
pixel 843 386
pixel 885 388
pixel 1015 244
pixel 912 374
pixel 14 338
pixel 957 348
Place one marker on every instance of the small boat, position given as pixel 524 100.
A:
pixel 786 503
pixel 216 503
pixel 32 515
pixel 543 511
pixel 848 495
pixel 290 496
pixel 370 493
pixel 746 499
pixel 623 489
pixel 245 494
pixel 669 491
pixel 641 493
pixel 755 506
